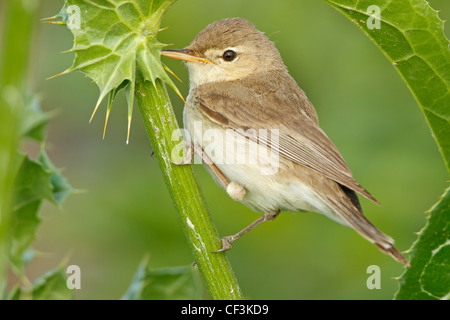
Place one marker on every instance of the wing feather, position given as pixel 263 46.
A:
pixel 240 107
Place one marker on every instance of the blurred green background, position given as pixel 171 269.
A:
pixel 125 212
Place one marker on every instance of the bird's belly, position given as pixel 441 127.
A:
pixel 271 192
pixel 271 182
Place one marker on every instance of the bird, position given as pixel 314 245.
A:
pixel 241 94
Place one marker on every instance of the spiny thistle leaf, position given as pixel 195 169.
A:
pixel 429 274
pixel 411 35
pixel 36 180
pixel 115 42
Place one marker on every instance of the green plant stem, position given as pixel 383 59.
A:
pixel 17 34
pixel 160 122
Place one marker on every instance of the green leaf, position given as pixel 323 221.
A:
pixel 33 122
pixel 61 188
pixel 24 183
pixel 23 231
pixel 176 283
pixel 429 274
pixel 52 286
pixel 115 42
pixel 35 181
pixel 32 183
pixel 412 36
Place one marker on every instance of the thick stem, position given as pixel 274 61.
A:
pixel 160 122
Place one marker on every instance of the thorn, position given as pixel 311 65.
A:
pixel 162 29
pixel 130 99
pixel 95 109
pixel 130 115
pixel 49 18
pixel 106 122
pixel 171 72
pixel 60 23
pixel 154 85
pixel 129 128
pixel 59 74
pixel 178 93
pixel 108 110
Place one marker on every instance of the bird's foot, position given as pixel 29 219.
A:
pixel 226 244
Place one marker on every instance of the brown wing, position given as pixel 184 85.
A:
pixel 281 106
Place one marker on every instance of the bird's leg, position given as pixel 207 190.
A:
pixel 196 149
pixel 206 159
pixel 234 189
pixel 228 240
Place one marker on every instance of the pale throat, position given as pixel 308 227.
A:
pixel 202 73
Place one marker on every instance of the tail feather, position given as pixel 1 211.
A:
pixel 392 251
pixel 349 209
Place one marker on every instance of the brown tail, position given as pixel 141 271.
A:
pixel 349 209
pixel 395 254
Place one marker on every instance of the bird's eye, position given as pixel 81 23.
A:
pixel 229 55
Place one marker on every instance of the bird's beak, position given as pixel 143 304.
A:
pixel 185 55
